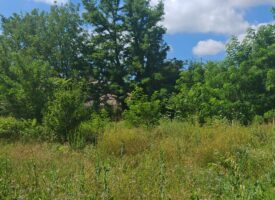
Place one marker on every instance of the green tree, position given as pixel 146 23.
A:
pixel 237 88
pixel 34 47
pixel 146 49
pixel 108 42
pixel 128 48
pixel 65 111
pixel 142 111
pixel 67 42
pixel 25 87
pixel 56 37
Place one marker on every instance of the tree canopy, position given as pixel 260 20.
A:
pixel 115 47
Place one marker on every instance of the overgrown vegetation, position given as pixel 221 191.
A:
pixel 91 108
pixel 142 110
pixel 125 70
pixel 175 160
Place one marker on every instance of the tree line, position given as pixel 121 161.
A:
pixel 58 67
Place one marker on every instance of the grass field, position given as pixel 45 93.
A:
pixel 175 160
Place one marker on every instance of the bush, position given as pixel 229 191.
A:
pixel 36 131
pixel 270 116
pixel 258 119
pixel 25 87
pixel 11 128
pixel 91 129
pixel 142 111
pixel 66 111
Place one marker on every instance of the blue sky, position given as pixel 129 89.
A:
pixel 196 29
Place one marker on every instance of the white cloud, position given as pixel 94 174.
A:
pixel 249 3
pixel 51 2
pixel 204 16
pixel 208 48
pixel 213 47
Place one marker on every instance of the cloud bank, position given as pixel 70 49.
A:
pixel 225 17
pixel 208 16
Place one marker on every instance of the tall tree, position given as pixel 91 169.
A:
pixel 128 47
pixel 146 50
pixel 108 44
pixel 25 87
pixel 56 37
pixel 34 47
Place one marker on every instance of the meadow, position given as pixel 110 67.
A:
pixel 175 160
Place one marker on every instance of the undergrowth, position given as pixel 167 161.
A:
pixel 175 160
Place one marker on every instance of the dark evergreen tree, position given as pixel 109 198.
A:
pixel 146 50
pixel 110 74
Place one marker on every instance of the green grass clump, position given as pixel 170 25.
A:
pixel 175 160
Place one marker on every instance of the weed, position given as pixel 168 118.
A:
pixel 215 161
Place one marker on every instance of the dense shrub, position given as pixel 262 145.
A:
pixel 258 119
pixel 25 88
pixel 66 111
pixel 91 129
pixel 36 131
pixel 142 110
pixel 270 116
pixel 11 128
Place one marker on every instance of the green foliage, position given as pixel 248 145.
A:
pixel 131 51
pixel 142 111
pixel 124 49
pixel 24 130
pixel 90 130
pixel 238 88
pixel 258 119
pixel 270 116
pixel 34 47
pixel 25 87
pixel 53 37
pixel 108 57
pixel 146 49
pixel 270 80
pixel 47 61
pixel 66 110
pixel 11 128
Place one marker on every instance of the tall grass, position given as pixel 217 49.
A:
pixel 175 160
